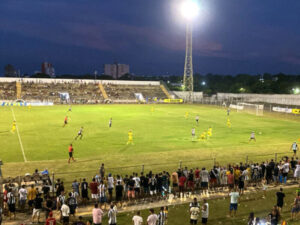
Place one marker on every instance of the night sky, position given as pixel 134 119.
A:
pixel 79 36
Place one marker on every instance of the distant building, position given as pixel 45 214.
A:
pixel 116 70
pixel 47 68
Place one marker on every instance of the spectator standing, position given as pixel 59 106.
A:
pixel 112 215
pixel 152 218
pixel 75 186
pixel 119 192
pixel 11 202
pixel 94 190
pixel 72 203
pixel 280 199
pixel 37 208
pixel 285 171
pixel 137 219
pixel 22 197
pixel 65 212
pixel 50 220
pixel 204 180
pixel 97 215
pixel 48 206
pixel 31 196
pixel 274 216
pixel 110 184
pixel 102 171
pixel 84 191
pixel 234 197
pixel 174 177
pixel 205 211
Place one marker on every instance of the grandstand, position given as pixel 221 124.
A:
pixel 61 91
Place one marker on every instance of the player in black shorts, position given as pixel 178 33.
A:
pixel 79 134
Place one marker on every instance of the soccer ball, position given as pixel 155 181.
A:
pixel 260 132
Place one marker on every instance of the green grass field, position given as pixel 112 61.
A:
pixel 161 138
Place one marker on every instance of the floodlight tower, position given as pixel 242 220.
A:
pixel 189 10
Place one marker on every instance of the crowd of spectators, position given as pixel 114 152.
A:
pixel 109 191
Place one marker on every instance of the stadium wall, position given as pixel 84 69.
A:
pixel 197 96
pixel 260 98
pixel 46 80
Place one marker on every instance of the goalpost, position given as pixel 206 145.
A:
pixel 250 108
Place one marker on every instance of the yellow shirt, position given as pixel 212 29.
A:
pixel 31 194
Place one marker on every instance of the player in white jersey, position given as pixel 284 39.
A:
pixel 197 119
pixel 252 136
pixel 193 133
pixel 194 212
pixel 294 147
pixel 79 134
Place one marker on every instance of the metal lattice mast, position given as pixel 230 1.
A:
pixel 188 66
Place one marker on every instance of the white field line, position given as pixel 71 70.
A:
pixel 19 137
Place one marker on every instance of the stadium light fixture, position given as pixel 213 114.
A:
pixel 203 83
pixel 189 9
pixel 296 91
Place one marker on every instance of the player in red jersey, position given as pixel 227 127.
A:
pixel 65 121
pixel 71 150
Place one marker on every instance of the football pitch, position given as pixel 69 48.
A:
pixel 161 135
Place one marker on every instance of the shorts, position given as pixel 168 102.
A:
pixel 65 219
pixel 241 185
pixel 231 185
pixel 204 184
pixel 12 207
pixel 213 180
pixel 295 209
pixel 73 209
pixel 66 122
pixel 280 204
pixel 110 191
pixel 70 154
pixel 204 220
pixel 193 221
pixel 233 206
pixel 22 202
pixel 130 194
pixel 137 190
pixel 84 194
pixel 36 212
pixel 295 151
pixel 175 185
pixel 94 196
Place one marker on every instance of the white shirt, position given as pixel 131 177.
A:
pixel 137 220
pixel 205 212
pixel 195 211
pixel 286 167
pixel 204 175
pixel 137 181
pixel 65 210
pixel 110 182
pixel 234 196
pixel 152 219
pixel 23 194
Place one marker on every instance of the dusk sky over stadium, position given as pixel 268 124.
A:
pixel 79 36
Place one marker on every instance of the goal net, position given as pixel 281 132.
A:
pixel 250 108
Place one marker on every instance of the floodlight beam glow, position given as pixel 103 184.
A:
pixel 189 9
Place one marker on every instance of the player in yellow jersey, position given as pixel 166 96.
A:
pixel 29 106
pixel 130 137
pixel 13 127
pixel 209 132
pixel 186 115
pixel 202 136
pixel 228 123
pixel 152 109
